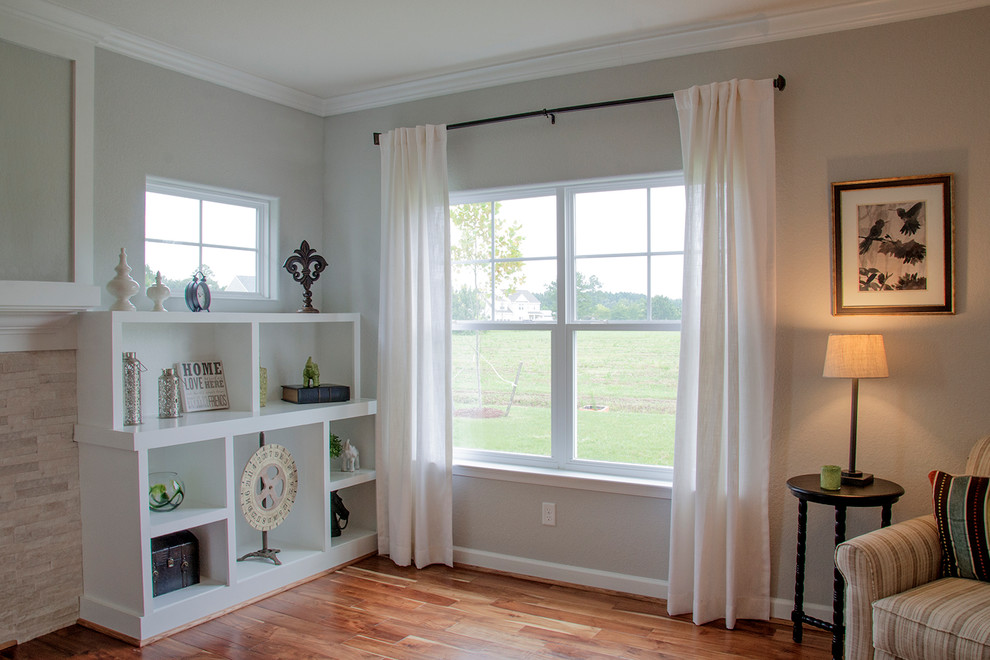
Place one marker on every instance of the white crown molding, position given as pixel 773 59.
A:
pixel 587 59
pixel 695 39
pixel 55 18
pixel 107 37
pixel 138 48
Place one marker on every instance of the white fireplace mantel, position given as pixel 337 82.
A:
pixel 38 316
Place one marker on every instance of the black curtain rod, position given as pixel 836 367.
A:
pixel 779 82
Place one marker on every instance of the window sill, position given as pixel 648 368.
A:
pixel 601 483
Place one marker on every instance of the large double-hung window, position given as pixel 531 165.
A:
pixel 566 310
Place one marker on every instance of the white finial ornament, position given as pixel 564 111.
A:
pixel 123 287
pixel 158 293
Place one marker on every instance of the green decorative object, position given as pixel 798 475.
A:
pixel 165 491
pixel 311 373
pixel 335 446
pixel 831 478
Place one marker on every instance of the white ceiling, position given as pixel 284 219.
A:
pixel 332 56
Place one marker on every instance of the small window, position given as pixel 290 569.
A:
pixel 224 234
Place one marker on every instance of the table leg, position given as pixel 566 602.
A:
pixel 802 534
pixel 838 587
pixel 885 515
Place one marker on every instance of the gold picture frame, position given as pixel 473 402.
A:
pixel 892 246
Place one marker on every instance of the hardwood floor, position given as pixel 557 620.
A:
pixel 374 609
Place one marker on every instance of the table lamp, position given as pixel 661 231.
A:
pixel 855 357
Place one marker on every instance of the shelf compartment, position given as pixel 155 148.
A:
pixel 360 430
pixel 286 346
pixel 214 567
pixel 201 466
pixel 160 346
pixel 360 501
pixel 305 525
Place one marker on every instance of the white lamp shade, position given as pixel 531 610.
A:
pixel 855 356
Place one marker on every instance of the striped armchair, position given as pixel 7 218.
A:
pixel 897 607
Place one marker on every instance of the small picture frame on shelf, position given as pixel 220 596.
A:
pixel 202 385
pixel 892 246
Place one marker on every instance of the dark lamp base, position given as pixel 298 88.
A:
pixel 856 478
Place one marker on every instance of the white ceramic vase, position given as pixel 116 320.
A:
pixel 158 293
pixel 122 286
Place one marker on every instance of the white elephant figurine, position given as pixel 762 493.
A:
pixel 350 454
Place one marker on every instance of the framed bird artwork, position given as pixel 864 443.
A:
pixel 892 246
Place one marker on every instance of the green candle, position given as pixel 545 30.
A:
pixel 831 477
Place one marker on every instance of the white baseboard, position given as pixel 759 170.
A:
pixel 780 608
pixel 588 577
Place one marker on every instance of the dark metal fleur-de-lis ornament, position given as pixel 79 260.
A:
pixel 299 264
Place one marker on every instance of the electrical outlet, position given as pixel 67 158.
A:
pixel 549 513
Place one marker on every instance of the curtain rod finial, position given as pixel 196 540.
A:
pixel 780 83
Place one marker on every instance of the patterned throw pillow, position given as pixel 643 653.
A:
pixel 961 511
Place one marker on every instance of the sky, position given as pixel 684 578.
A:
pixel 608 223
pixel 175 228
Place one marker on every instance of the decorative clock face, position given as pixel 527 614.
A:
pixel 268 487
pixel 198 294
pixel 203 296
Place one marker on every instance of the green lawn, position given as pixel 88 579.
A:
pixel 633 374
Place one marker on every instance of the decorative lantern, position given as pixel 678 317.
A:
pixel 132 388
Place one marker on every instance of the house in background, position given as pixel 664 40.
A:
pixel 884 97
pixel 520 305
pixel 242 284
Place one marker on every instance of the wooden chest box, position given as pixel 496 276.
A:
pixel 174 562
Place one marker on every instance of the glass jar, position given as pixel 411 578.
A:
pixel 165 491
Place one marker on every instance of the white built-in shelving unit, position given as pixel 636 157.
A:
pixel 209 451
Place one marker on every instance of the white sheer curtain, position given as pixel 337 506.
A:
pixel 720 539
pixel 413 425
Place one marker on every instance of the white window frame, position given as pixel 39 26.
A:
pixel 563 330
pixel 267 208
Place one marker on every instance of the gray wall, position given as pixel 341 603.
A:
pixel 35 165
pixel 895 100
pixel 151 121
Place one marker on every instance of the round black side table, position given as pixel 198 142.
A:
pixel 807 488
